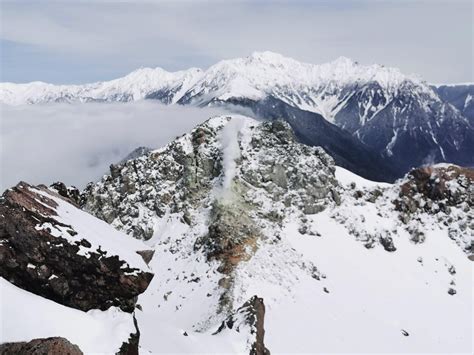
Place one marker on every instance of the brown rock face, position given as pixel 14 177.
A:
pixel 50 266
pixel 47 346
pixel 258 307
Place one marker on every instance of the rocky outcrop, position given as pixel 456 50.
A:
pixel 169 180
pixel 47 346
pixel 71 193
pixel 443 191
pixel 42 254
pixel 181 177
pixel 451 185
pixel 249 317
pixel 270 174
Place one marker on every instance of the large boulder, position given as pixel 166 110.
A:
pixel 55 250
pixel 47 346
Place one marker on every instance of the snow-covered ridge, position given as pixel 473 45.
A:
pixel 467 83
pixel 132 87
pixel 251 77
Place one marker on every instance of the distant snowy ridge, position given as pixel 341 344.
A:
pixel 401 119
pixel 134 86
pixel 252 76
pixel 466 83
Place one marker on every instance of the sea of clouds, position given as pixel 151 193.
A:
pixel 76 143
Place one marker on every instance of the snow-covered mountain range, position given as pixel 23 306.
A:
pixel 402 120
pixel 256 242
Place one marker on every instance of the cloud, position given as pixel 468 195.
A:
pixel 76 143
pixel 431 38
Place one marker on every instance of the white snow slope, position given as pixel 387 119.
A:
pixel 26 316
pixel 97 232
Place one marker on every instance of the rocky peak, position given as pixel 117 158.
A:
pixel 184 175
pixel 232 181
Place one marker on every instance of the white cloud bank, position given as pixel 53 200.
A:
pixel 76 143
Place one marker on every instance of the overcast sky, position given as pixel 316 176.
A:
pixel 83 41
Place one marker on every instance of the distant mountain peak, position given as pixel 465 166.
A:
pixel 254 75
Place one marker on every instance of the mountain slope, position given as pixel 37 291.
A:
pixel 238 208
pixel 258 243
pixel 460 96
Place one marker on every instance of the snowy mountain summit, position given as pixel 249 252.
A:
pixel 257 243
pixel 254 76
pixel 395 121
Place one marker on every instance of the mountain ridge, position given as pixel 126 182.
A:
pixel 335 70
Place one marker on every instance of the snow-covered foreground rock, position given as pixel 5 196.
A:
pixel 65 273
pixel 237 209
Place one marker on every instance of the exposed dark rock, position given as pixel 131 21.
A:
pixel 131 346
pixel 460 96
pixel 50 266
pixel 387 243
pixel 453 185
pixel 251 314
pixel 46 346
pixel 69 192
pixel 437 191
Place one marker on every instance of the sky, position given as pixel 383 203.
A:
pixel 86 41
